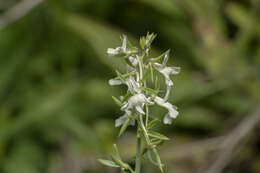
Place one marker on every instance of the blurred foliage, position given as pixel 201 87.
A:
pixel 56 111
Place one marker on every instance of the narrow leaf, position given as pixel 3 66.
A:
pixel 142 42
pixel 149 90
pixel 151 71
pixel 158 159
pixel 117 101
pixel 145 76
pixel 116 152
pixel 157 142
pixel 126 97
pixel 119 76
pixel 108 163
pixel 124 76
pixel 151 124
pixel 158 135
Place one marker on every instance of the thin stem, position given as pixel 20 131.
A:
pixel 144 131
pixel 140 62
pixel 146 110
pixel 146 114
pixel 138 159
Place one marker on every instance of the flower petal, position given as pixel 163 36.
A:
pixel 133 86
pixel 167 119
pixel 124 43
pixel 133 60
pixel 168 91
pixel 120 121
pixel 173 113
pixel 115 82
pixel 166 57
pixel 139 109
pixel 112 51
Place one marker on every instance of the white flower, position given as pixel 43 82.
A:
pixel 167 71
pixel 119 50
pixel 121 120
pixel 172 110
pixel 136 102
pixel 133 86
pixel 133 60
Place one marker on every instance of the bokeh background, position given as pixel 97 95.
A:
pixel 56 111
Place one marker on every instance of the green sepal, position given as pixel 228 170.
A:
pixel 117 101
pixel 108 163
pixel 157 135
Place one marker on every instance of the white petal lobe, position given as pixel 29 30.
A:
pixel 114 82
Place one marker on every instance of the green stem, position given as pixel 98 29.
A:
pixel 138 159
pixel 147 139
pixel 140 62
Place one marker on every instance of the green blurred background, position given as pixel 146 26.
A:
pixel 56 110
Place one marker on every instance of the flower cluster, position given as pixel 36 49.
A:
pixel 140 96
pixel 143 91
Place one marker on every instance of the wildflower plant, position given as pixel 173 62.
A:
pixel 142 80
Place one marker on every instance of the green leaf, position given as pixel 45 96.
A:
pixel 157 83
pixel 117 101
pixel 126 97
pixel 119 162
pixel 157 142
pixel 145 76
pixel 152 123
pixel 158 135
pixel 151 71
pixel 142 42
pixel 119 76
pixel 124 76
pixel 124 126
pixel 116 152
pixel 108 163
pixel 158 159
